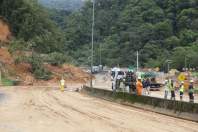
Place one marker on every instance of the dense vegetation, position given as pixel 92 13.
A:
pixel 159 29
pixel 35 32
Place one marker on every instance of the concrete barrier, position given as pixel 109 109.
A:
pixel 178 109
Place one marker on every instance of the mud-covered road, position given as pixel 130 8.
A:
pixel 49 110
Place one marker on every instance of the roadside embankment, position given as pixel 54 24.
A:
pixel 178 109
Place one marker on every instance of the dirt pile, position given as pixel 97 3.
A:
pixel 69 72
pixel 5 56
pixel 22 71
pixel 4 31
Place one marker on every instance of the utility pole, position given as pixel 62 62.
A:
pixel 0 77
pixel 185 64
pixel 100 55
pixel 137 61
pixel 92 41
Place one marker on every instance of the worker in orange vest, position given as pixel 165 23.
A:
pixel 139 86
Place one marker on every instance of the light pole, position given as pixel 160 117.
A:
pixel 137 61
pixel 185 64
pixel 100 55
pixel 92 40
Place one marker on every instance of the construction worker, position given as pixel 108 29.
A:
pixel 139 86
pixel 181 90
pixel 62 84
pixel 191 91
pixel 172 89
pixel 148 84
pixel 166 89
pixel 144 87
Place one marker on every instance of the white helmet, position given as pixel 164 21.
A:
pixel 182 82
pixel 139 78
pixel 191 81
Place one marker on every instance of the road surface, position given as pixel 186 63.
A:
pixel 45 109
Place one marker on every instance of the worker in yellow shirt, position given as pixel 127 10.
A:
pixel 62 84
pixel 181 90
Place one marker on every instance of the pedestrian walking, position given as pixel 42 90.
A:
pixel 181 91
pixel 191 91
pixel 166 89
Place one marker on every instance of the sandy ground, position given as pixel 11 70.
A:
pixel 40 109
pixel 103 81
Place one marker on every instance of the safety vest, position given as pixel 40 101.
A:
pixel 181 88
pixel 170 86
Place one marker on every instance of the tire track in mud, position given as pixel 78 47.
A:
pixel 116 108
pixel 92 112
pixel 91 115
pixel 45 107
pixel 79 112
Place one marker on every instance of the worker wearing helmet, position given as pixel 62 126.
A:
pixel 139 86
pixel 181 90
pixel 191 91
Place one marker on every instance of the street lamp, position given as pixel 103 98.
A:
pixel 92 40
pixel 137 61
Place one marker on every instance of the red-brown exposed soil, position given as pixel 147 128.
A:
pixel 71 73
pixel 4 31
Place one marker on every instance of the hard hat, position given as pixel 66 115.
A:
pixel 139 78
pixel 182 82
pixel 166 80
pixel 191 81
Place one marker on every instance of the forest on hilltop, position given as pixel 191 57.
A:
pixel 159 29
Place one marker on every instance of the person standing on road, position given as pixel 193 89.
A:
pixel 181 90
pixel 144 87
pixel 62 84
pixel 191 91
pixel 128 81
pixel 148 84
pixel 114 81
pixel 166 89
pixel 139 86
pixel 172 89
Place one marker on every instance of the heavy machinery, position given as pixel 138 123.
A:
pixel 154 85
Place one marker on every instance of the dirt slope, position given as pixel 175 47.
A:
pixel 4 31
pixel 22 70
pixel 50 110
